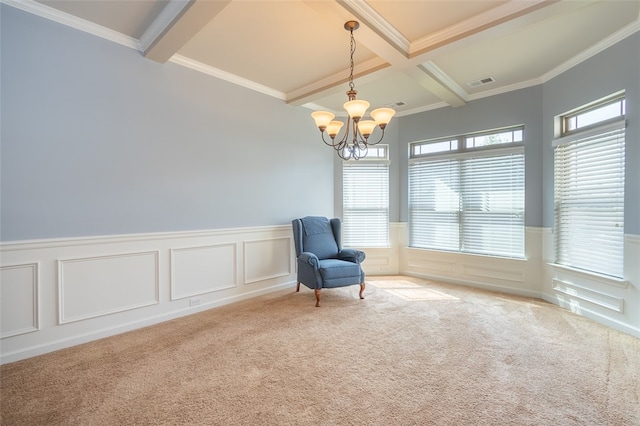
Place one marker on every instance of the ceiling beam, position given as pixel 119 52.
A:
pixel 183 21
pixel 429 76
pixel 387 54
pixel 328 85
pixel 476 24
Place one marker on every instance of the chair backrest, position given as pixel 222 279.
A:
pixel 318 235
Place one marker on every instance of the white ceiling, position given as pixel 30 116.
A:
pixel 422 54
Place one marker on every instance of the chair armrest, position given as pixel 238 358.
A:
pixel 308 257
pixel 352 255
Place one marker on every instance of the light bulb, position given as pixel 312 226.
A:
pixel 334 127
pixel 365 127
pixel 322 119
pixel 356 108
pixel 383 116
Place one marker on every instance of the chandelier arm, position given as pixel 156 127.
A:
pixel 341 146
pixel 345 137
pixel 379 140
pixel 331 144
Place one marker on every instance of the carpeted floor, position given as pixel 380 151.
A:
pixel 414 352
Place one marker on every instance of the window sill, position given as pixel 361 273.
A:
pixel 606 279
pixel 462 253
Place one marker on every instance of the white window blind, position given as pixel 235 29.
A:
pixel 434 191
pixel 493 205
pixel 470 202
pixel 589 200
pixel 365 204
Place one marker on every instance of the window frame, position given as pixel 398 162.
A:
pixel 567 247
pixel 464 152
pixel 594 106
pixel 381 159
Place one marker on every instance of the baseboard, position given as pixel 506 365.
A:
pixel 593 315
pixel 70 341
pixel 480 285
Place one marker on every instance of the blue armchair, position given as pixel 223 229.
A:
pixel 322 263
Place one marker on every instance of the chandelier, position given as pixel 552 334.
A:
pixel 355 141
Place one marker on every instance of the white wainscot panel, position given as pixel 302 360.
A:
pixel 573 294
pixel 501 274
pixel 96 286
pixel 434 265
pixel 18 299
pixel 377 263
pixel 199 270
pixel 267 259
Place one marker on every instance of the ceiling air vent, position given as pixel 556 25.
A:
pixel 482 81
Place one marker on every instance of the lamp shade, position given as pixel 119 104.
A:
pixel 383 116
pixel 356 108
pixel 334 127
pixel 365 127
pixel 322 119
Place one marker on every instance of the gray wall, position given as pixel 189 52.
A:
pixel 616 68
pixel 97 140
pixel 509 109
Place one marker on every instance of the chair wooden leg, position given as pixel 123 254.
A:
pixel 317 292
pixel 362 286
pixel 298 287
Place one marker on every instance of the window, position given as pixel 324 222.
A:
pixel 365 188
pixel 589 189
pixel 466 194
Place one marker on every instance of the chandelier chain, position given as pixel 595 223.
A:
pixel 353 50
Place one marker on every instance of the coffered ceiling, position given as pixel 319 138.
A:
pixel 412 55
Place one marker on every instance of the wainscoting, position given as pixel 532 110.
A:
pixel 613 302
pixel 515 276
pixel 59 293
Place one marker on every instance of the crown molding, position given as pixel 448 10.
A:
pixel 616 37
pixel 505 89
pixel 223 75
pixel 472 25
pixel 68 20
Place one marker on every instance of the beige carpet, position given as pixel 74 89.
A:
pixel 413 352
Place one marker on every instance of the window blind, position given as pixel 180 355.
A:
pixel 493 205
pixel 434 204
pixel 469 203
pixel 589 201
pixel 365 204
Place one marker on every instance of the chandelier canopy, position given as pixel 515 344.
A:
pixel 355 141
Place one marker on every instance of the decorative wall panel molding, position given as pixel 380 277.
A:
pixel 200 270
pixel 103 285
pixel 573 292
pixel 589 276
pixel 94 287
pixel 500 274
pixel 266 259
pixel 19 307
pixel 381 263
pixel 434 265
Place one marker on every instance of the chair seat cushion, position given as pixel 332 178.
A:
pixel 333 269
